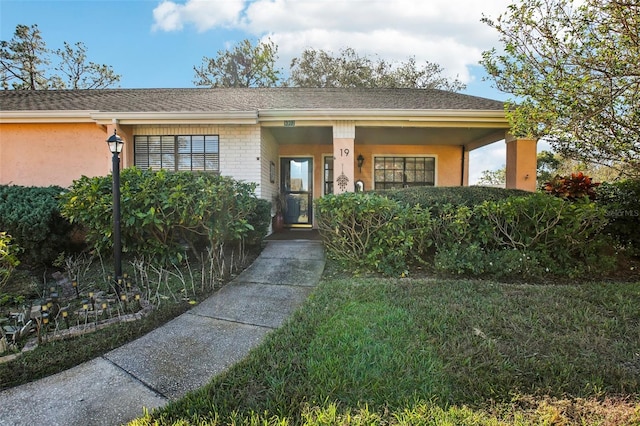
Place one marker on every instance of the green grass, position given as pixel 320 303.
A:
pixel 421 351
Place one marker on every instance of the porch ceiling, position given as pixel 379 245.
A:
pixel 471 137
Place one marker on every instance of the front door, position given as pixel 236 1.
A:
pixel 296 182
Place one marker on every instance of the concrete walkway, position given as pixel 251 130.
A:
pixel 179 357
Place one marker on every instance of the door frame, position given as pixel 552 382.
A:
pixel 285 163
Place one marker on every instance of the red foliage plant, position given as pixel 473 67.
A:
pixel 574 187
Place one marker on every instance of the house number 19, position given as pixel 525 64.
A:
pixel 344 152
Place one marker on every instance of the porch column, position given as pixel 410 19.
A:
pixel 344 135
pixel 521 163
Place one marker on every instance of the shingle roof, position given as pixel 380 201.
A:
pixel 240 99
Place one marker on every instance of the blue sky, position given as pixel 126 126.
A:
pixel 155 43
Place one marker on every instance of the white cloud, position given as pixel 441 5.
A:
pixel 446 32
pixel 204 14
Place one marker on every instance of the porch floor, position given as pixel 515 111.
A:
pixel 295 234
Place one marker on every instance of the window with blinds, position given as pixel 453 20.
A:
pixel 402 172
pixel 178 153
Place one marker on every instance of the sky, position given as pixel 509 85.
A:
pixel 157 43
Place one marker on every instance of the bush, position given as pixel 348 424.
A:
pixel 8 259
pixel 573 187
pixel 622 202
pixel 365 231
pixel 525 236
pixel 165 213
pixel 31 215
pixel 440 196
pixel 259 219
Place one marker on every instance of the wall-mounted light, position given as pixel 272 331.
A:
pixel 360 162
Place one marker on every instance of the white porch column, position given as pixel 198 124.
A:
pixel 344 135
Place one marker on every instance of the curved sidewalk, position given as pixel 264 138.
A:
pixel 180 356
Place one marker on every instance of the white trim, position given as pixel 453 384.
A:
pixel 179 117
pixel 269 118
pixel 419 115
pixel 47 117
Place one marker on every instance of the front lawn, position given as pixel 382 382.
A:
pixel 437 351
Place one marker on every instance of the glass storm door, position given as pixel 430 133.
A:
pixel 296 182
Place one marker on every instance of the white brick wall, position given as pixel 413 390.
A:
pixel 240 155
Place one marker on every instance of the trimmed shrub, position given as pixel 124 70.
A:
pixel 31 215
pixel 366 231
pixel 622 202
pixel 549 233
pixel 524 236
pixel 163 214
pixel 440 196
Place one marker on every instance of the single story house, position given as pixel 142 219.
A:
pixel 304 142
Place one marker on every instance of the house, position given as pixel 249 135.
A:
pixel 303 141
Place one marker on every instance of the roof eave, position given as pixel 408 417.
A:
pixel 37 116
pixel 129 118
pixel 416 115
pixel 178 117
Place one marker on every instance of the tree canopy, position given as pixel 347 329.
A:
pixel 25 60
pixel 574 69
pixel 254 65
pixel 319 68
pixel 246 65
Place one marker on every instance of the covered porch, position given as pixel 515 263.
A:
pixel 345 156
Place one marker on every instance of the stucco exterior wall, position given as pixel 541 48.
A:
pixel 52 154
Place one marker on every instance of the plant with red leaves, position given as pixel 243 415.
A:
pixel 574 187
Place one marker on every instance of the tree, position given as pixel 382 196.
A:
pixel 574 69
pixel 319 68
pixel 245 65
pixel 493 177
pixel 80 74
pixel 548 166
pixel 24 62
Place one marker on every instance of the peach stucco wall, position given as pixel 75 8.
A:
pixel 52 154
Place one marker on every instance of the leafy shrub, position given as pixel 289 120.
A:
pixel 163 212
pixel 259 219
pixel 366 231
pixel 526 236
pixel 572 187
pixel 8 259
pixel 31 215
pixel 622 202
pixel 440 196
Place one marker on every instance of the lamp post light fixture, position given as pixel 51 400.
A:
pixel 360 162
pixel 116 143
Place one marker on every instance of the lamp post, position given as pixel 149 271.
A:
pixel 116 143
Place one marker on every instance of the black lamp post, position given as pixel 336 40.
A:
pixel 116 143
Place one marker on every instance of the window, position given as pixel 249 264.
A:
pixel 328 175
pixel 402 172
pixel 177 153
